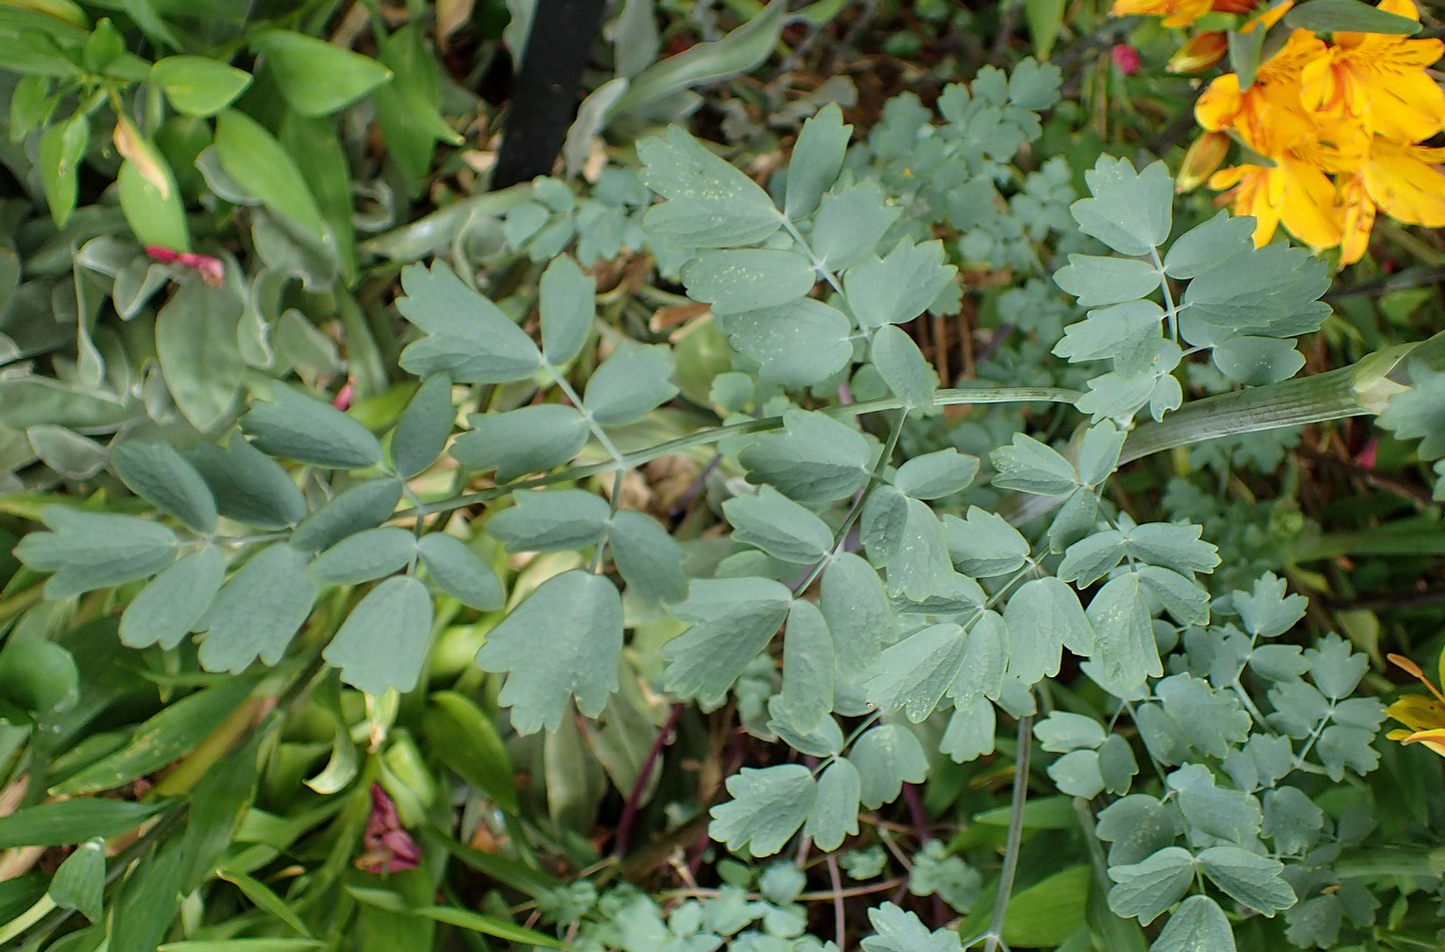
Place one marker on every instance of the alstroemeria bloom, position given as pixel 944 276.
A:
pixel 1423 715
pixel 1180 12
pixel 1295 193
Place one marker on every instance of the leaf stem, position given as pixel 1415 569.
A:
pixel 994 936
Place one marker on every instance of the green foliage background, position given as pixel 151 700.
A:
pixel 777 531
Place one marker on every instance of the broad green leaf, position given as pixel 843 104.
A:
pixel 1128 334
pixel 306 430
pixel 551 521
pixel 733 621
pixel 856 608
pixel 1096 281
pixel 364 506
pixel 970 732
pixel 833 816
pixel 408 108
pixel 1137 826
pixel 850 223
pixel 1255 361
pixel 746 279
pixel 459 572
pixel 900 931
pixel 780 527
pixel 1044 18
pixel 168 608
pixel 1249 878
pixel 568 303
pixel 1331 16
pixel 1093 557
pixel 985 657
pixel 1125 652
pixel 903 367
pixel 1044 616
pixel 1077 774
pixel 38 677
pixel 1099 452
pixel 562 643
pixel 316 78
pixel 630 384
pixel 1183 598
pixel 62 149
pixel 156 472
pixel 921 568
pixel 710 203
pixel 198 85
pixel 383 642
pixel 887 757
pixel 79 883
pixel 365 556
pixel 1145 890
pixel 1117 765
pixel 248 485
pixel 796 344
pixel 1174 546
pixel 808 664
pixel 914 674
pixel 149 196
pixel 261 167
pixel 737 53
pixel 467 741
pixel 935 475
pixel 816 160
pixel 258 611
pixel 1050 912
pixel 1130 212
pixel 647 557
pixel 163 738
pixel 1209 245
pixel 1213 811
pixel 200 357
pixel 900 286
pixel 1266 611
pixel 883 526
pixel 1271 291
pixel 91 550
pixel 815 459
pixel 421 432
pixel 518 442
pixel 66 822
pixel 1198 925
pixel 982 544
pixel 1064 731
pixel 766 808
pixel 1029 466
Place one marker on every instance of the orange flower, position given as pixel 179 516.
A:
pixel 1424 716
pixel 1205 155
pixel 1180 12
pixel 1201 52
pixel 1294 193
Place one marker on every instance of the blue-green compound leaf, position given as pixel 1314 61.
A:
pixel 168 608
pixel 159 474
pixel 747 279
pixel 921 567
pixel 984 661
pixel 630 384
pixel 523 441
pixel 248 485
pixel 1271 292
pixel 1249 878
pixel 1125 653
pixel 1198 925
pixel 1145 890
pixel 79 883
pixel 1130 212
pixel 1213 811
pixel 551 521
pixel 1209 245
pixel 834 815
pixel 815 459
pixel 469 337
pixel 1128 333
pixel 1064 731
pixel 425 424
pixel 938 474
pixel 363 506
pixel 459 572
pixel 562 643
pixel 306 430
pixel 902 366
pixel 850 223
pixel 1029 466
pixel 648 558
pixel 383 642
pixel 1043 616
pixel 780 527
pixel 1096 281
pixel 900 286
pixel 91 550
pixel 733 621
pixel 970 732
pixel 1255 361
pixel 568 303
pixel 766 809
pixel 1077 774
pixel 710 203
pixel 982 544
pixel 1420 411
pixel 1137 826
pixel 916 672
pixel 884 524
pixel 795 344
pixel 817 158
pixel 887 757
pixel 859 617
pixel 807 695
pixel 365 556
pixel 258 611
pixel 900 931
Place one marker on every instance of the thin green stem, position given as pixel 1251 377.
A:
pixel 994 937
pixel 1170 310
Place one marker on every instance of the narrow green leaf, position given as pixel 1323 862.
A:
pixel 316 78
pixel 261 167
pixel 198 85
pixel 79 883
pixel 363 506
pixel 66 822
pixel 307 430
pixel 467 741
